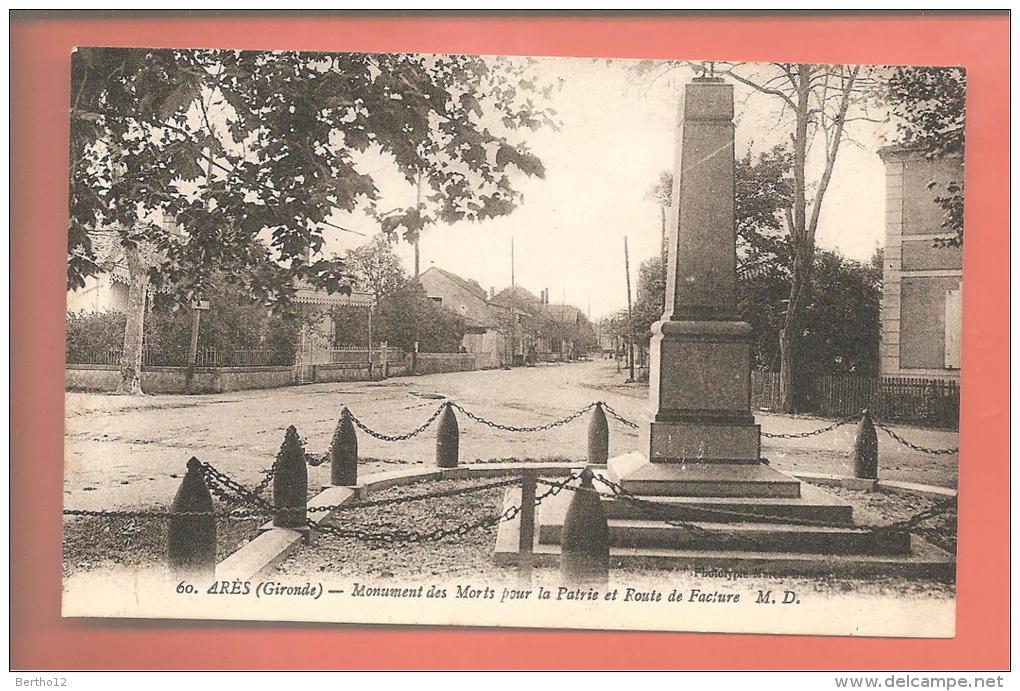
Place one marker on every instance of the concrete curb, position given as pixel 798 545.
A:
pixel 268 550
pixel 893 486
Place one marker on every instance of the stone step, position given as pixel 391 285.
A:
pixel 813 505
pixel 920 559
pixel 762 537
pixel 639 476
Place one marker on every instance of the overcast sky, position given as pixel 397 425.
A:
pixel 617 135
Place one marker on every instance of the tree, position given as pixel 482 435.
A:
pixel 763 197
pixel 407 315
pixel 464 162
pixel 250 154
pixel 815 102
pixel 376 267
pixel 928 105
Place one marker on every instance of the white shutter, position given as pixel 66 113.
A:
pixel 954 311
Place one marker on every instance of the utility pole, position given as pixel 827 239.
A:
pixel 417 237
pixel 630 311
pixel 513 300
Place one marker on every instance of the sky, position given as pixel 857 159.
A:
pixel 617 135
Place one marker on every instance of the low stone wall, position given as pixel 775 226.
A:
pixel 437 363
pixel 345 371
pixel 488 360
pixel 175 379
pixel 240 378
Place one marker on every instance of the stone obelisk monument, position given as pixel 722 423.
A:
pixel 699 459
pixel 700 378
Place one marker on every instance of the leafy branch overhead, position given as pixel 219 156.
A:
pixel 251 154
pixel 929 107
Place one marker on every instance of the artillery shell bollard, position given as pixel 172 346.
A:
pixel 447 439
pixel 290 483
pixel 584 544
pixel 598 436
pixel 866 449
pixel 343 452
pixel 191 540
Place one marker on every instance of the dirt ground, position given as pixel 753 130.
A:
pixel 125 452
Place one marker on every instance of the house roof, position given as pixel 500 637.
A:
pixel 521 296
pixel 476 313
pixel 563 313
pixel 468 284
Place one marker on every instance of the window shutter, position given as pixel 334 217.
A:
pixel 954 305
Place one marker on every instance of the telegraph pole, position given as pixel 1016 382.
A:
pixel 513 301
pixel 630 311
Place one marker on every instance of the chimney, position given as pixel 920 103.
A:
pixel 545 296
pixel 492 292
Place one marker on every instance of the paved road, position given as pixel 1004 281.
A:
pixel 130 451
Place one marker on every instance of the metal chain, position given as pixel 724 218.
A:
pixel 803 435
pixel 399 437
pixel 510 428
pixel 909 524
pixel 410 536
pixel 916 447
pixel 266 479
pixel 613 413
pixel 416 497
pixel 218 477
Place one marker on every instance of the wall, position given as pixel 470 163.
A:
pixel 345 372
pixel 436 363
pixel 174 379
pixel 916 275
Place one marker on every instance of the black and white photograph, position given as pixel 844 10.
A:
pixel 513 341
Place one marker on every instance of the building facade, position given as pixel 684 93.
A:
pixel 922 287
pixel 468 300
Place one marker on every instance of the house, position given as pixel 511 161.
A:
pixel 550 332
pixel 107 290
pixel 922 282
pixel 467 299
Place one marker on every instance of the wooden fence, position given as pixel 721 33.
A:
pixel 934 402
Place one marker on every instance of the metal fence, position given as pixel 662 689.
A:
pixel 934 402
pixel 206 356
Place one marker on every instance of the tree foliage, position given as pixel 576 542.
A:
pixel 840 326
pixel 929 108
pixel 375 267
pixel 251 153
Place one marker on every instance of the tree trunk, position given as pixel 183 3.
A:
pixel 787 366
pixel 134 329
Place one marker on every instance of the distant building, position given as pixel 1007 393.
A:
pixel 107 290
pixel 922 284
pixel 549 332
pixel 468 300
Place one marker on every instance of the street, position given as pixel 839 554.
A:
pixel 123 451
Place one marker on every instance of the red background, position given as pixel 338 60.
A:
pixel 40 59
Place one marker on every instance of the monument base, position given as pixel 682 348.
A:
pixel 638 475
pixel 702 442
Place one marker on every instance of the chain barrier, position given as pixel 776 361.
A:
pixel 804 435
pixel 620 418
pixel 916 447
pixel 412 536
pixel 909 524
pixel 510 428
pixel 266 479
pixel 399 437
pixel 606 407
